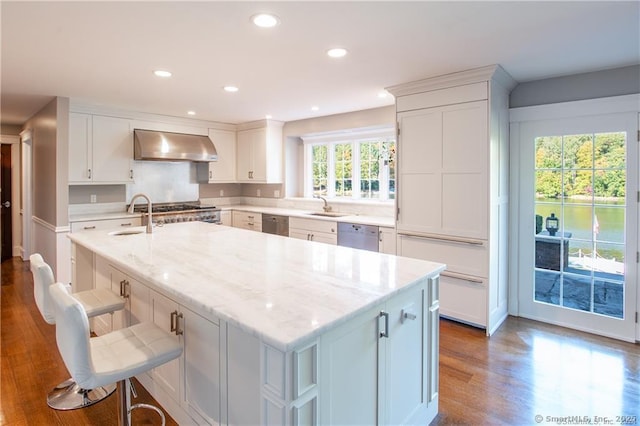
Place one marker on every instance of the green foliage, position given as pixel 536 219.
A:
pixel 589 164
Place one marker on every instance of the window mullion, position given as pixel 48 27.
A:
pixel 331 170
pixel 355 169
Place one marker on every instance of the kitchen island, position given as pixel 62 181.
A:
pixel 275 330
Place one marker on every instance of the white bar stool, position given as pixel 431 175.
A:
pixel 68 395
pixel 113 357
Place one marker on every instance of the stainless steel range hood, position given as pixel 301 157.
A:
pixel 167 146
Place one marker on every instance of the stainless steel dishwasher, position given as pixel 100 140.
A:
pixel 358 236
pixel 275 224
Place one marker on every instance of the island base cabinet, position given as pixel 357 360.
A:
pixel 193 380
pixel 379 368
pixel 266 386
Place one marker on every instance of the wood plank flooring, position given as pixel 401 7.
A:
pixel 525 369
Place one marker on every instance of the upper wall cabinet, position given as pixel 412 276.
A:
pixel 259 154
pixel 224 169
pixel 100 149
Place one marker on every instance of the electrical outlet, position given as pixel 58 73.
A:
pixel 276 193
pixel 94 198
pixel 258 192
pixel 222 192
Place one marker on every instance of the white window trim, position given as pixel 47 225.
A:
pixel 354 137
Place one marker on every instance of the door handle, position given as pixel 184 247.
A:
pixel 6 204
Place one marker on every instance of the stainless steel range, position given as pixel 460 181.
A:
pixel 179 212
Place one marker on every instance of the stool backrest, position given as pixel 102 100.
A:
pixel 42 279
pixel 72 334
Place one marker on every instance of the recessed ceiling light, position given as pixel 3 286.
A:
pixel 383 95
pixel 191 112
pixel 315 108
pixel 337 52
pixel 231 89
pixel 265 20
pixel 162 73
pixel 268 116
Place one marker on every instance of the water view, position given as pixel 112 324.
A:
pixel 581 180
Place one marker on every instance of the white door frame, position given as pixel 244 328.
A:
pixel 27 191
pixel 627 109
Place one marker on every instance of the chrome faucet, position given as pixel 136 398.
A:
pixel 149 219
pixel 326 207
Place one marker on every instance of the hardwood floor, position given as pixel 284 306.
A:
pixel 525 369
pixel 31 364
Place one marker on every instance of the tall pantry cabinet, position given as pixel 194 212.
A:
pixel 452 194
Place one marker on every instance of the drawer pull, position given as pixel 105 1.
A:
pixel 89 227
pixel 463 277
pixel 125 224
pixel 446 238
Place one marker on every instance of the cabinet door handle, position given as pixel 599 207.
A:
pixel 130 173
pixel 89 173
pixel 89 227
pixel 174 322
pixel 446 238
pixel 179 330
pixel 385 315
pixel 175 318
pixel 124 291
pixel 408 316
pixel 127 289
pixel 380 236
pixel 126 224
pixel 463 277
pixel 210 174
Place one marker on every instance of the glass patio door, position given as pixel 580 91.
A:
pixel 578 225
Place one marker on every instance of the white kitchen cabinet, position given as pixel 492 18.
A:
pixel 80 148
pixel 96 272
pixel 453 187
pixel 259 152
pixel 226 218
pixel 100 149
pixel 384 362
pixel 102 324
pixel 198 369
pixel 136 296
pixel 106 224
pixel 224 169
pixel 247 220
pixel 386 240
pixel 324 231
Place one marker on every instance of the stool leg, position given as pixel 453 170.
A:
pixel 124 401
pixel 69 396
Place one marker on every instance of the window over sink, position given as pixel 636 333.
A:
pixel 351 165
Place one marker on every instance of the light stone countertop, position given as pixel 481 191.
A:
pixel 307 214
pixel 284 290
pixel 350 218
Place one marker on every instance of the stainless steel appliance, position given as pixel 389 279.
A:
pixel 179 212
pixel 168 146
pixel 275 224
pixel 358 236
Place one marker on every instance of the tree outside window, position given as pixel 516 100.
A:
pixel 359 169
pixel 343 169
pixel 319 161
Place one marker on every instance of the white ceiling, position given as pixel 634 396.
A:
pixel 105 52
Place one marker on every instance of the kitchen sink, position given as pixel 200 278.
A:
pixel 131 231
pixel 328 214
